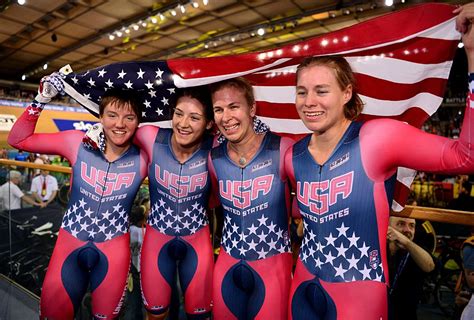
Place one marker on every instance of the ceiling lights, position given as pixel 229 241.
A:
pixel 160 14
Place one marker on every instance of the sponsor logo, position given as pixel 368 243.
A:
pixel 374 259
pixel 197 164
pixel 262 165
pixel 126 164
pixel 63 124
pixel 338 162
pixel 6 122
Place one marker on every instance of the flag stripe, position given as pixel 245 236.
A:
pixel 401 60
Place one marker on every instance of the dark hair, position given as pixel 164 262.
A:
pixel 120 98
pixel 201 94
pixel 239 83
pixel 344 77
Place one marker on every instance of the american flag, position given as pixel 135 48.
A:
pixel 402 62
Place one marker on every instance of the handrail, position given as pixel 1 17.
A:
pixel 49 167
pixel 437 214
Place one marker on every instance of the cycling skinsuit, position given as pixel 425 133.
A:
pixel 177 233
pixel 252 272
pixel 92 248
pixel 341 271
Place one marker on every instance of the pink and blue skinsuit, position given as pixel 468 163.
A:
pixel 177 235
pixel 92 249
pixel 341 271
pixel 253 271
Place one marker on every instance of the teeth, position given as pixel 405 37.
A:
pixel 183 132
pixel 119 132
pixel 314 114
pixel 231 127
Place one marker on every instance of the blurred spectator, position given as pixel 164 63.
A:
pixel 3 153
pixel 40 159
pixel 408 265
pixel 44 187
pixel 11 195
pixel 133 305
pixel 464 202
pixel 465 298
pixel 21 156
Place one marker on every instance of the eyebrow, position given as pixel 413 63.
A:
pixel 318 86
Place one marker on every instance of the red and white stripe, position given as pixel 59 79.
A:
pixel 402 62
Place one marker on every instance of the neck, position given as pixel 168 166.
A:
pixel 323 144
pixel 243 151
pixel 330 138
pixel 181 152
pixel 113 152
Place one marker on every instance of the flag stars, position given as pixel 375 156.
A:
pixel 329 257
pixel 252 229
pixel 242 250
pixel 159 111
pixel 102 73
pixel 128 84
pixel 121 75
pixel 353 239
pixel 109 83
pixel 330 240
pixel 91 82
pixel 252 245
pixel 82 203
pixel 340 271
pixel 149 85
pixel 261 253
pixel 262 220
pixel 164 101
pixel 262 236
pixel 171 90
pixel 364 250
pixel 140 74
pixel 353 262
pixel 311 235
pixel 147 104
pixel 152 93
pixel 159 73
pixel 342 230
pixel 341 250
pixel 117 207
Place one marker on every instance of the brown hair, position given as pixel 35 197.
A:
pixel 121 99
pixel 344 77
pixel 201 94
pixel 239 83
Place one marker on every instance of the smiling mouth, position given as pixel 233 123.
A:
pixel 119 132
pixel 184 133
pixel 230 128
pixel 313 114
